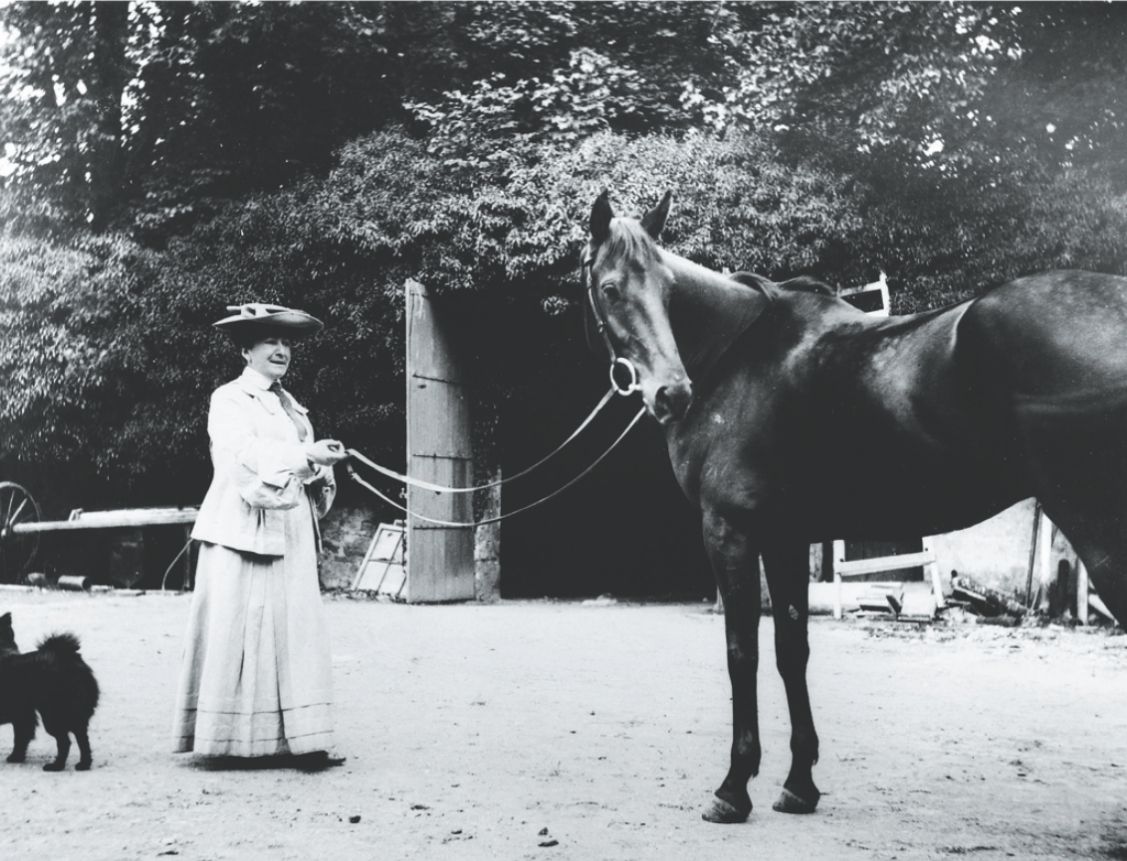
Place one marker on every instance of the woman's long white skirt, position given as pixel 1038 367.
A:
pixel 255 679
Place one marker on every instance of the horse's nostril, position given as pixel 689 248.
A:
pixel 671 402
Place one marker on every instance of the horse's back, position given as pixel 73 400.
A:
pixel 1056 339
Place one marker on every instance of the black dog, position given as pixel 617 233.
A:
pixel 54 681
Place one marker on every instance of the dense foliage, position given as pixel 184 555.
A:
pixel 165 159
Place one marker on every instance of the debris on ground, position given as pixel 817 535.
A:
pixel 602 601
pixel 984 601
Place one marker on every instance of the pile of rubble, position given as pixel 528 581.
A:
pixel 968 601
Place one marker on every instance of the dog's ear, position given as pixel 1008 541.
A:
pixel 6 620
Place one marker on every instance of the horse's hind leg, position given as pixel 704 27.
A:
pixel 735 563
pixel 1078 466
pixel 1100 539
pixel 788 574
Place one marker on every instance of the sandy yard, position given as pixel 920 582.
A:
pixel 482 732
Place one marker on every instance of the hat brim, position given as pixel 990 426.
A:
pixel 293 324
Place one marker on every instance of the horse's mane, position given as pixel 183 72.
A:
pixel 803 283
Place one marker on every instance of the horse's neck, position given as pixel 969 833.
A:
pixel 708 312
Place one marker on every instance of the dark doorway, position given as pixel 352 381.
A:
pixel 624 530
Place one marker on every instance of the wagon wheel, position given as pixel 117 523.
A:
pixel 17 508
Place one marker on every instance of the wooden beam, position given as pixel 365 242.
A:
pixel 120 519
pixel 857 567
pixel 1082 593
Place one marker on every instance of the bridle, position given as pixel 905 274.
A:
pixel 616 362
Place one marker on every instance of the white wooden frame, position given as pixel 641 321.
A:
pixel 878 286
pixel 844 568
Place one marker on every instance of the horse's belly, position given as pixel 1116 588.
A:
pixel 886 501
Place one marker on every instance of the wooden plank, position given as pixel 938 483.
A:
pixel 1095 602
pixel 857 567
pixel 121 519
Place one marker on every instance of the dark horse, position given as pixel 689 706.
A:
pixel 791 417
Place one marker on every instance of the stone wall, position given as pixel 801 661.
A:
pixel 996 554
pixel 346 533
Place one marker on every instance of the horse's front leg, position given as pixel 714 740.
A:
pixel 788 576
pixel 735 564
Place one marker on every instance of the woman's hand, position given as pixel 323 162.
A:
pixel 325 452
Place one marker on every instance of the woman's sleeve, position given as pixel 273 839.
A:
pixel 268 473
pixel 322 490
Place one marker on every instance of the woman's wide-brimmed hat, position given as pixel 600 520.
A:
pixel 255 317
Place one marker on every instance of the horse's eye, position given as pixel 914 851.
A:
pixel 611 291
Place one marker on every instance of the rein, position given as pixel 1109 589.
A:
pixel 441 488
pixel 473 523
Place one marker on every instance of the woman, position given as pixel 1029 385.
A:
pixel 256 675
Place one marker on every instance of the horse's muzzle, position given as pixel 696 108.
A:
pixel 672 402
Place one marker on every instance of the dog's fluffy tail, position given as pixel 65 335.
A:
pixel 61 644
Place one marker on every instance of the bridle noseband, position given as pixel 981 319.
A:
pixel 616 362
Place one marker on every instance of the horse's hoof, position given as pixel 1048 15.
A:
pixel 54 766
pixel 16 757
pixel 725 813
pixel 790 803
pixel 82 766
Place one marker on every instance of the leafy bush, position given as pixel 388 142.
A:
pixel 109 355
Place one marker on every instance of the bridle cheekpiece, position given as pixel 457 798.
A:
pixel 618 364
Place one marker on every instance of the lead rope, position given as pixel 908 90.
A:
pixel 438 488
pixel 463 524
pixel 441 488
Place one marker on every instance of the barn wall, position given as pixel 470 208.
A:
pixel 996 552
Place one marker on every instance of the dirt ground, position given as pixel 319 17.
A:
pixel 487 731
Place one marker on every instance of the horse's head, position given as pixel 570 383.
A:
pixel 628 289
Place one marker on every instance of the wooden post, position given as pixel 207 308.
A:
pixel 440 559
pixel 1045 559
pixel 936 579
pixel 186 583
pixel 1081 592
pixel 1032 553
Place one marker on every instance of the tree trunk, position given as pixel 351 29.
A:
pixel 109 76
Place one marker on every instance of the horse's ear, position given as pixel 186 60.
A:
pixel 654 220
pixel 601 214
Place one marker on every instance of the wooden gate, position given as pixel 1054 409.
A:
pixel 440 559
